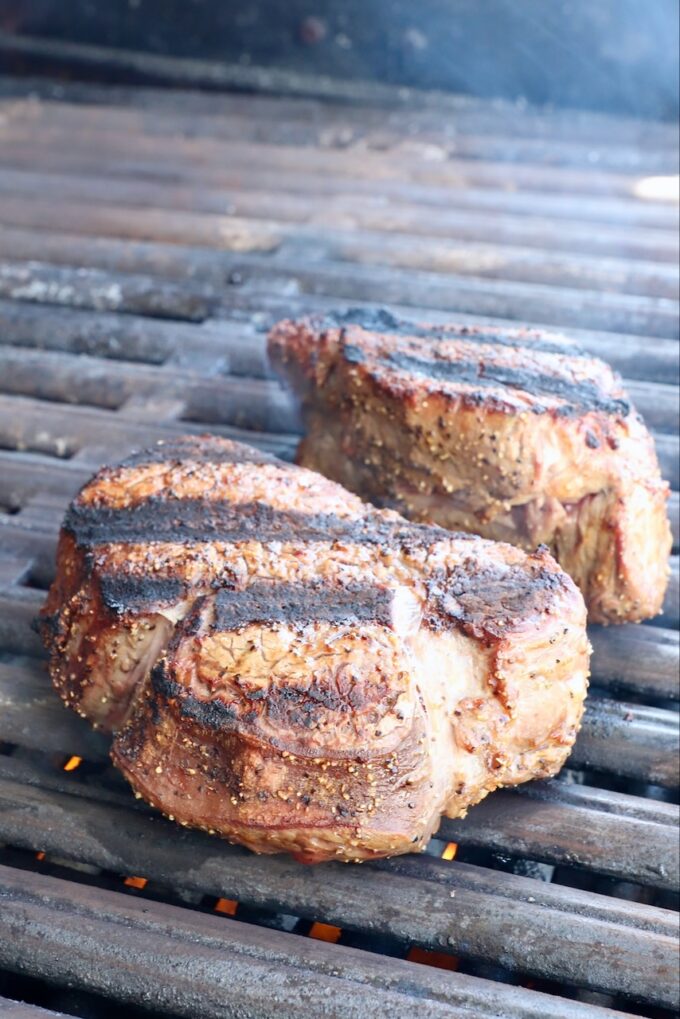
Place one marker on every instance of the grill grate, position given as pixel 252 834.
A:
pixel 148 239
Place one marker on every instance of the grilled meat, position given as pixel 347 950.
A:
pixel 296 670
pixel 515 436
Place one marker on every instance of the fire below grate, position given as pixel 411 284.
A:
pixel 148 239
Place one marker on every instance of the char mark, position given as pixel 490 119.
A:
pixel 134 593
pixel 213 714
pixel 381 321
pixel 579 397
pixel 485 600
pixel 287 706
pixel 302 604
pixel 189 521
pixel 47 625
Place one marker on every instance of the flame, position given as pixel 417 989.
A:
pixel 228 906
pixel 658 189
pixel 73 763
pixel 429 958
pixel 325 932
pixel 40 856
pixel 450 851
pixel 136 882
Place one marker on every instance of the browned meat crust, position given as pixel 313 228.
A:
pixel 515 436
pixel 295 670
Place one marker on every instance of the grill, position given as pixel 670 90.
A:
pixel 148 239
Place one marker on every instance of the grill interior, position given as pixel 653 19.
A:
pixel 148 239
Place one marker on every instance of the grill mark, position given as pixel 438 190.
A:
pixel 197 450
pixel 189 521
pixel 578 396
pixel 480 601
pixel 214 714
pixel 132 593
pixel 382 321
pixel 302 603
pixel 279 704
pixel 47 625
pixel 293 708
pixel 484 599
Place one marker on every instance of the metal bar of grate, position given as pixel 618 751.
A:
pixel 344 280
pixel 507 144
pixel 256 198
pixel 192 964
pixel 393 113
pixel 143 216
pixel 490 914
pixel 63 430
pixel 20 1010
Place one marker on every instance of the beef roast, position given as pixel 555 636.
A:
pixel 513 435
pixel 296 670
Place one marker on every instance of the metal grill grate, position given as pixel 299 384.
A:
pixel 148 238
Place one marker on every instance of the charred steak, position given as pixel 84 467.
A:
pixel 515 436
pixel 296 670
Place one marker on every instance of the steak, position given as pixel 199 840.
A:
pixel 296 670
pixel 515 436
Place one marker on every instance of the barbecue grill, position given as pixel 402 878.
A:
pixel 149 238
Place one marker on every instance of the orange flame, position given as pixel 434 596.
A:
pixel 40 856
pixel 228 906
pixel 73 763
pixel 325 932
pixel 429 958
pixel 450 851
pixel 136 882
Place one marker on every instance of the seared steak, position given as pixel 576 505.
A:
pixel 514 436
pixel 296 670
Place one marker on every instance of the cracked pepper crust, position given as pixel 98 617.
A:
pixel 297 671
pixel 512 435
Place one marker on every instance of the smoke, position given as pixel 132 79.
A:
pixel 617 56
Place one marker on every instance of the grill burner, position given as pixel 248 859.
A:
pixel 148 239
